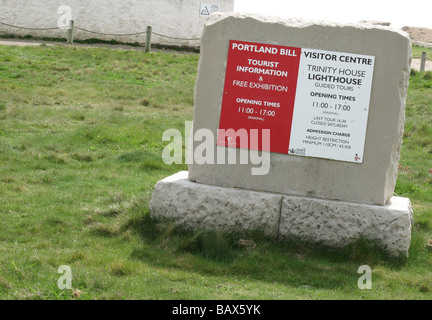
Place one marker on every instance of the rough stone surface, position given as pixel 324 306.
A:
pixel 335 223
pixel 198 206
pixel 371 182
pixel 331 223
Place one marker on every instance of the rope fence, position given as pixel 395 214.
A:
pixel 161 35
pixel 423 61
pixel 111 34
pixel 37 29
pixel 71 27
pixel 421 57
pixel 148 33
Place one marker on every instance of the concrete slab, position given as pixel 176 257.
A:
pixel 336 223
pixel 196 206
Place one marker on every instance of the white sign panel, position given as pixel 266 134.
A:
pixel 331 105
pixel 208 8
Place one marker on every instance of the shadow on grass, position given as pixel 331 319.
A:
pixel 253 255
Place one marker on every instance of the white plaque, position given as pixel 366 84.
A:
pixel 331 105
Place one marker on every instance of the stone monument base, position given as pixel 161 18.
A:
pixel 331 223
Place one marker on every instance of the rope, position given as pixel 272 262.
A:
pixel 111 34
pixel 421 57
pixel 10 25
pixel 161 35
pixel 103 33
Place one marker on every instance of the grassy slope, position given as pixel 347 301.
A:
pixel 80 145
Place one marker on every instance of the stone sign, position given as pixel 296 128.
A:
pixel 374 180
pixel 323 105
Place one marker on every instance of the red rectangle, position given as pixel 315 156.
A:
pixel 259 93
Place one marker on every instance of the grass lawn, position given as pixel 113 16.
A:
pixel 80 152
pixel 417 52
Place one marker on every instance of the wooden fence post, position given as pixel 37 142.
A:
pixel 148 39
pixel 70 32
pixel 423 62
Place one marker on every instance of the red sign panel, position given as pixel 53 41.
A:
pixel 259 94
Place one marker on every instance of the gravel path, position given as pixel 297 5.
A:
pixel 415 64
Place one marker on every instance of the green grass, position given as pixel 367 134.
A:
pixel 80 153
pixel 417 51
